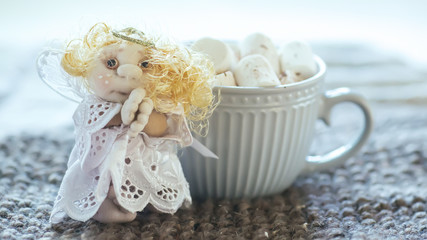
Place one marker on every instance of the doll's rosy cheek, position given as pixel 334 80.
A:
pixel 102 81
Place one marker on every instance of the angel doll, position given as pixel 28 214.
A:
pixel 139 96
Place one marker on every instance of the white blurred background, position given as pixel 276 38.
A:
pixel 396 30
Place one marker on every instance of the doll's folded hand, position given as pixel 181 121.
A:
pixel 144 111
pixel 131 105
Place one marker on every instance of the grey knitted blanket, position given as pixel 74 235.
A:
pixel 379 194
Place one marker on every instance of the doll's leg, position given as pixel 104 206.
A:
pixel 111 212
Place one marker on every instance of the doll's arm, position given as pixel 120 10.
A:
pixel 131 105
pixel 144 111
pixel 136 103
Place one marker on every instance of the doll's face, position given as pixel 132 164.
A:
pixel 117 70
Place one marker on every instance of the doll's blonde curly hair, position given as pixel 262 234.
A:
pixel 177 77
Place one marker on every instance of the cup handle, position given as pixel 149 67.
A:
pixel 339 155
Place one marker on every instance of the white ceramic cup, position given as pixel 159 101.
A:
pixel 262 137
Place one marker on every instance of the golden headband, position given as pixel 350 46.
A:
pixel 133 35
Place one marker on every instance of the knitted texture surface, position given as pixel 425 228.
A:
pixel 381 193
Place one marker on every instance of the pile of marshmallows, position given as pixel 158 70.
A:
pixel 256 62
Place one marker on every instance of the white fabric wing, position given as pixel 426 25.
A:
pixel 51 72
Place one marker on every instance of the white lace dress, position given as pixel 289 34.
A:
pixel 142 169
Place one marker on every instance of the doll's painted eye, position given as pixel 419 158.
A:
pixel 144 64
pixel 112 63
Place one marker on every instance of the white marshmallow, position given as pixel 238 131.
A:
pixel 217 51
pixel 297 59
pixel 255 71
pixel 225 79
pixel 234 46
pixel 296 75
pixel 258 43
pixel 284 78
